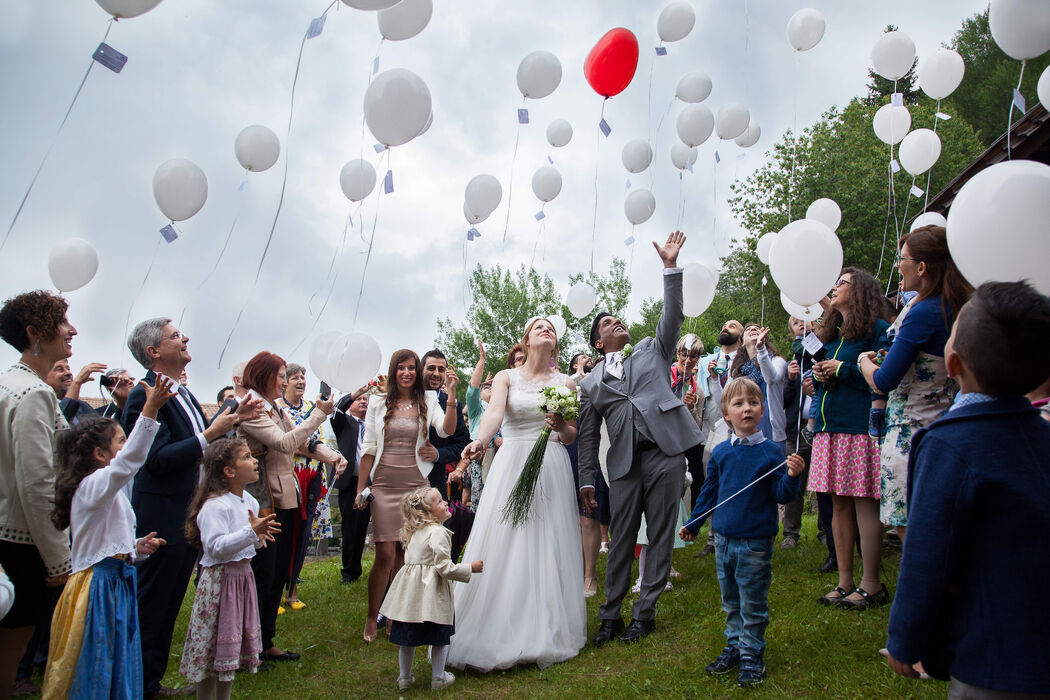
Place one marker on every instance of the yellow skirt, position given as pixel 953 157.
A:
pixel 67 636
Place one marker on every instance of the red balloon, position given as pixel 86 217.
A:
pixel 611 63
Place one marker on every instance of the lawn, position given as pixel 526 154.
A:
pixel 813 651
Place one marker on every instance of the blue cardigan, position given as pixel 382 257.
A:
pixel 845 409
pixel 970 601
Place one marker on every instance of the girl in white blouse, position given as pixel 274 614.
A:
pixel 95 646
pixel 224 632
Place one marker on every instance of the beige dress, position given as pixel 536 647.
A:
pixel 396 474
pixel 422 589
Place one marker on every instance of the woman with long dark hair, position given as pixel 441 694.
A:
pixel 845 461
pixel 912 373
pixel 397 458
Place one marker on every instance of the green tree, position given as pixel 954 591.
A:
pixel 612 292
pixel 984 96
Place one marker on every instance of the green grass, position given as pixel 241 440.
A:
pixel 812 651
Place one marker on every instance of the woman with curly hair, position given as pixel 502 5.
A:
pixel 33 552
pixel 845 461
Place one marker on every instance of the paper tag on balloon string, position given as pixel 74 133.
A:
pixel 661 51
pixel 764 281
pixel 741 156
pixel 550 160
pixel 240 187
pixel 812 343
pixel 169 233
pixel 388 182
pixel 628 185
pixel 943 116
pixel 917 191
pixel 895 166
pixel 679 176
pixel 316 27
pixel 472 234
pixel 540 216
pixel 110 57
pixel 1019 101
pixel 897 99
pixel 689 167
pixel 523 116
pixel 604 126
pixel 718 158
pixel 629 241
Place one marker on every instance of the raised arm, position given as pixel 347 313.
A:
pixel 479 369
pixel 493 418
pixel 672 315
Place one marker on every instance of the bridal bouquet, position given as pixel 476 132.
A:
pixel 553 399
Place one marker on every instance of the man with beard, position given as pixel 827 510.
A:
pixel 730 339
pixel 449 449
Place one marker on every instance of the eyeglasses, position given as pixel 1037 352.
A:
pixel 840 283
pixel 689 355
pixel 177 335
pixel 900 258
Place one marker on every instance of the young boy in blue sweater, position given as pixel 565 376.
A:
pixel 744 527
pixel 970 604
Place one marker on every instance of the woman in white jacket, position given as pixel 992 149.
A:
pixel 397 458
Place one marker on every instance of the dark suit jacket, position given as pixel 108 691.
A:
pixel 110 410
pixel 165 484
pixel 347 430
pixel 450 448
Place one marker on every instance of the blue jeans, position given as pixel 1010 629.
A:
pixel 744 568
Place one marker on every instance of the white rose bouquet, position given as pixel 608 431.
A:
pixel 553 399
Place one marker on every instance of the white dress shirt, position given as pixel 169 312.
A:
pixel 226 533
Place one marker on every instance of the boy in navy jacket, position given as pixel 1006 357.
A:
pixel 744 527
pixel 969 603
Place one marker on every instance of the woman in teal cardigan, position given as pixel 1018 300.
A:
pixel 845 460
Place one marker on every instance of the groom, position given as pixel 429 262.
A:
pixel 650 429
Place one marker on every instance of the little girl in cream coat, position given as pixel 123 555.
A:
pixel 419 602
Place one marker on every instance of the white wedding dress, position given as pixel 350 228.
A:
pixel 527 606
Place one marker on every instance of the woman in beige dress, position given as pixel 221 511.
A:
pixel 397 458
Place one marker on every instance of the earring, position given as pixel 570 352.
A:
pixel 36 349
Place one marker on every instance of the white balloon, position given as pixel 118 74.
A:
pixel 539 74
pixel 559 326
pixel 357 179
pixel 997 224
pixel 682 156
pixel 695 124
pixel 559 133
pixel 72 264
pixel 891 124
pixel 919 150
pixel 397 106
pixel 698 289
pixel 405 19
pixel 826 211
pixel 940 73
pixel 806 261
pixel 319 350
pixel 675 21
pixel 693 87
pixel 1021 28
pixel 750 136
pixel 637 155
pixel 354 360
pixel 893 55
pixel 180 189
pixel 765 244
pixel 1042 89
pixel 469 216
pixel 580 299
pixel 639 206
pixel 546 183
pixel 930 218
pixel 123 9
pixel 370 5
pixel 483 195
pixel 257 148
pixel 805 313
pixel 426 127
pixel 732 120
pixel 805 29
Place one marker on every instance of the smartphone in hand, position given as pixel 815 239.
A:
pixel 326 391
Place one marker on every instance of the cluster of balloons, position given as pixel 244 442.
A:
pixel 346 361
pixel 481 197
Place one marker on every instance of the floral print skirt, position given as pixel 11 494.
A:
pixel 224 633
pixel 845 465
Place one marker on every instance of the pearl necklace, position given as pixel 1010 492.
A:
pixel 405 407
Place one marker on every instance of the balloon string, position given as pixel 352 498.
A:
pixel 656 138
pixel 347 225
pixel 371 242
pixel 708 512
pixel 929 173
pixel 762 317
pixel 597 151
pixel 630 265
pixel 1009 117
pixel 681 200
pixel 649 127
pixel 510 183
pixel 539 234
pixel 54 140
pixel 794 135
pixel 142 286
pixel 886 225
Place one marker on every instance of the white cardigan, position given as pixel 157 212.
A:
pixel 375 434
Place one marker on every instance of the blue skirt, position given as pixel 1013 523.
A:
pixel 420 634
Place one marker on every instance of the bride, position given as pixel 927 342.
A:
pixel 528 607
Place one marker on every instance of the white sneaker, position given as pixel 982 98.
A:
pixel 669 586
pixel 637 587
pixel 443 682
pixel 405 682
pixel 604 549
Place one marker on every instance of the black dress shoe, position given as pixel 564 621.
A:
pixel 830 565
pixel 283 656
pixel 607 631
pixel 638 629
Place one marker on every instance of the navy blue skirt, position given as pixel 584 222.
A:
pixel 420 634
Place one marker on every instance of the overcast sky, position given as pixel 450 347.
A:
pixel 199 71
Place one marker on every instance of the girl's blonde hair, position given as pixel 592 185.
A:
pixel 414 513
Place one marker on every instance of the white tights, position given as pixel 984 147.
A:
pixel 211 688
pixel 405 655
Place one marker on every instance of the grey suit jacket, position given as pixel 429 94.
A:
pixel 642 401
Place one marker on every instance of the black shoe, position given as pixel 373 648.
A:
pixel 752 671
pixel 284 656
pixel 708 549
pixel 638 629
pixel 607 631
pixel 380 621
pixel 264 666
pixel 830 565
pixel 348 579
pixel 867 600
pixel 725 662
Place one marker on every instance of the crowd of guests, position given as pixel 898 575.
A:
pixel 911 411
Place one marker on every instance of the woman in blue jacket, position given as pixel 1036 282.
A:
pixel 845 461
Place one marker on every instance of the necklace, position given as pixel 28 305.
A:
pixel 406 406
